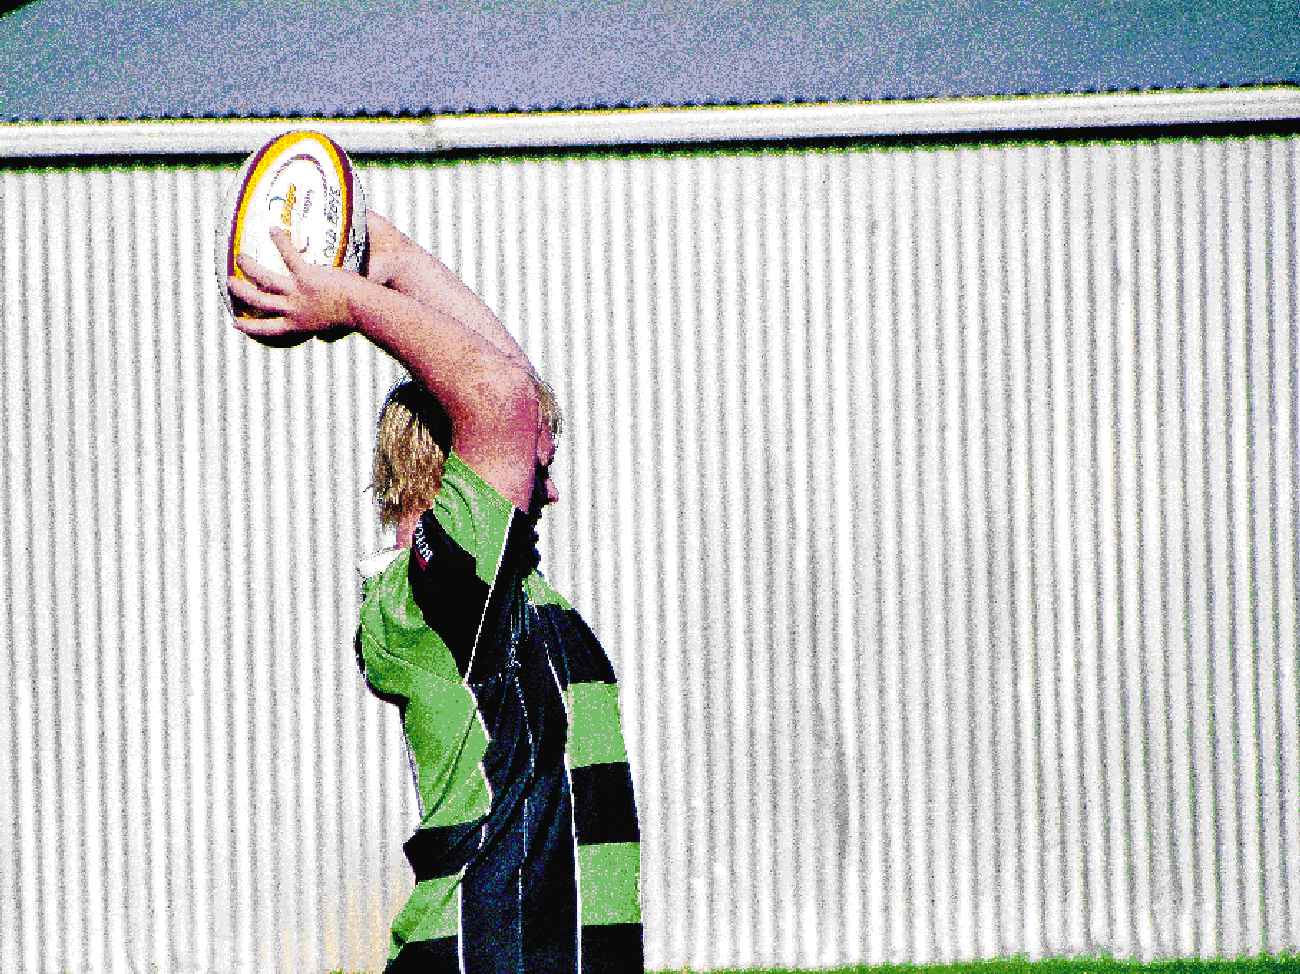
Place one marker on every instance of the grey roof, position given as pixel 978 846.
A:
pixel 129 59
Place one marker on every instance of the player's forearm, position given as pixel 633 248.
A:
pixel 429 281
pixel 411 270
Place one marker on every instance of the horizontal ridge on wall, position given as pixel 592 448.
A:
pixel 1271 105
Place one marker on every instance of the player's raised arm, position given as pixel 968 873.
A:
pixel 489 395
pixel 400 263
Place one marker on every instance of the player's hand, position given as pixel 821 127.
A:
pixel 310 299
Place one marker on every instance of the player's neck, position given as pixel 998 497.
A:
pixel 406 527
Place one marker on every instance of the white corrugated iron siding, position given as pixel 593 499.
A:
pixel 937 507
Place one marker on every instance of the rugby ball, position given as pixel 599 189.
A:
pixel 304 183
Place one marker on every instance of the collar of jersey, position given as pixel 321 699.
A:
pixel 377 561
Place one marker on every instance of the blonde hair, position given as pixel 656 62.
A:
pixel 412 439
pixel 550 407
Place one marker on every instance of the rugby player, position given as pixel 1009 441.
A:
pixel 527 854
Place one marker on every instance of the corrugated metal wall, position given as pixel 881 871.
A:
pixel 938 509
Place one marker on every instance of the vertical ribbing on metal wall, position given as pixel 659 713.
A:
pixel 937 508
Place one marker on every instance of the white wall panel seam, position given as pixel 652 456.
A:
pixel 14 853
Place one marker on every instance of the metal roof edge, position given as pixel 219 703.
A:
pixel 651 126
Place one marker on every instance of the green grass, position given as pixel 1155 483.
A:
pixel 1275 964
pixel 1072 965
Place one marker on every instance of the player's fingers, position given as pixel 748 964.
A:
pixel 267 279
pixel 255 298
pixel 264 327
pixel 273 332
pixel 292 259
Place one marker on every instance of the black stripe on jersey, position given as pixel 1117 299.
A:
pixel 550 890
pixel 581 660
pixel 447 589
pixel 491 922
pixel 454 600
pixel 613 948
pixel 538 932
pixel 442 849
pixel 604 808
pixel 441 956
pixel 504 634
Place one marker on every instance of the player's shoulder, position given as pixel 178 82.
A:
pixel 388 617
pixel 469 517
pixel 394 642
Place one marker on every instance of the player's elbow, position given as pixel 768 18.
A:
pixel 504 406
pixel 519 407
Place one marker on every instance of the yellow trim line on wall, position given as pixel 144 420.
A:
pixel 662 126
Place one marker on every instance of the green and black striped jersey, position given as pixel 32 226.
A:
pixel 527 857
